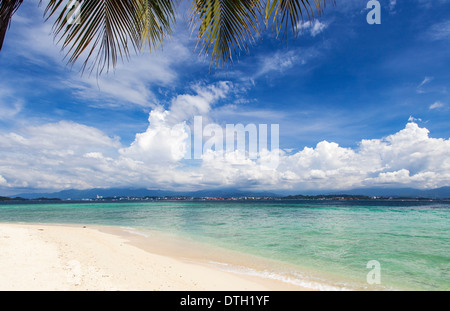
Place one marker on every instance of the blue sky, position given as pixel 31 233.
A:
pixel 358 105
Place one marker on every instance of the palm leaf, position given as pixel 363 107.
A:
pixel 225 26
pixel 7 10
pixel 292 12
pixel 107 28
pixel 156 18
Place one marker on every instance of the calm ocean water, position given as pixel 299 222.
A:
pixel 330 242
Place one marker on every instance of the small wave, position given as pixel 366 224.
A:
pixel 279 277
pixel 134 231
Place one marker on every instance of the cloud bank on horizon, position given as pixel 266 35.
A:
pixel 66 155
pixel 341 93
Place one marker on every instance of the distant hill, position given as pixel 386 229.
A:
pixel 123 192
pixel 439 193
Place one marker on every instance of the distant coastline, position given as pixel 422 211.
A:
pixel 224 194
pixel 290 198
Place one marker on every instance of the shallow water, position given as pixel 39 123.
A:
pixel 329 242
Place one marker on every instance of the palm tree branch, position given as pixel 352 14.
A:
pixel 291 12
pixel 7 10
pixel 107 28
pixel 157 18
pixel 225 26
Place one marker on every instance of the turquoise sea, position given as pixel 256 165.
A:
pixel 318 244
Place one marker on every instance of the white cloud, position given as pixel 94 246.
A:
pixel 407 158
pixel 32 37
pixel 165 140
pixel 67 155
pixel 186 106
pixel 440 31
pixel 392 5
pixel 277 62
pixel 437 105
pixel 412 119
pixel 129 84
pixel 50 156
pixel 314 27
pixel 282 61
pixel 425 81
pixel 10 104
pixel 3 181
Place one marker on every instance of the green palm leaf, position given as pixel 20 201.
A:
pixel 7 10
pixel 107 30
pixel 156 18
pixel 105 27
pixel 225 26
pixel 291 12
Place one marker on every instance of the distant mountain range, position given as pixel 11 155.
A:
pixel 120 192
pixel 439 193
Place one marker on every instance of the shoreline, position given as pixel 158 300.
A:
pixel 93 257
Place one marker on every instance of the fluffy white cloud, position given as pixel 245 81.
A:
pixel 50 156
pixel 70 155
pixel 312 27
pixel 409 157
pixel 3 181
pixel 136 76
pixel 160 143
pixel 165 140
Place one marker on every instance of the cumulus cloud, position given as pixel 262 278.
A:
pixel 166 138
pixel 3 181
pixel 50 156
pixel 312 27
pixel 409 158
pixel 67 155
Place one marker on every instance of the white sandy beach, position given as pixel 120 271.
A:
pixel 57 257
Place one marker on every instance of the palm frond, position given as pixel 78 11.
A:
pixel 107 29
pixel 225 26
pixel 156 18
pixel 7 10
pixel 292 12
